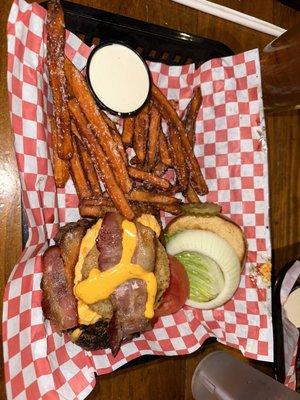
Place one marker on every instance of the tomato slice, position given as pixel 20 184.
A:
pixel 175 296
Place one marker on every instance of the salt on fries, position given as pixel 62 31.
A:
pixel 88 146
pixel 58 83
pixel 60 166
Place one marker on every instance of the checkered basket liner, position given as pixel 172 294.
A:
pixel 231 149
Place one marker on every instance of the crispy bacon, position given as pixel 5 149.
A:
pixel 129 302
pixel 109 241
pixel 58 303
pixel 58 262
pixel 129 299
pixel 69 240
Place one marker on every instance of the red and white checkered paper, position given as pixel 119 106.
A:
pixel 231 149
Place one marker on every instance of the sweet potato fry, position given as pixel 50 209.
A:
pixel 160 169
pixel 80 182
pixel 174 103
pixel 191 195
pixel 97 201
pixel 142 185
pixel 74 130
pixel 176 188
pixel 191 115
pixel 55 62
pixel 90 170
pixel 88 167
pixel 96 151
pixel 128 130
pixel 140 195
pixel 171 116
pixel 163 149
pixel 97 207
pixel 100 128
pixel 170 208
pixel 179 158
pixel 116 136
pixel 154 129
pixel 98 211
pixel 149 177
pixel 94 211
pixel 134 161
pixel 60 167
pixel 108 121
pixel 106 201
pixel 118 140
pixel 141 126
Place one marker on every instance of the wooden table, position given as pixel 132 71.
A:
pixel 171 378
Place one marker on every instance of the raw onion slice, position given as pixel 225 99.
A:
pixel 215 247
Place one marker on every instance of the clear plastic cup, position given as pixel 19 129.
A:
pixel 219 376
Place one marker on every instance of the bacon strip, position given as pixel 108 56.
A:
pixel 109 241
pixel 129 299
pixel 58 302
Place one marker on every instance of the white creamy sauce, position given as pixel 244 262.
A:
pixel 119 78
pixel 292 307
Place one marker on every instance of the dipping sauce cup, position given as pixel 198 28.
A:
pixel 118 78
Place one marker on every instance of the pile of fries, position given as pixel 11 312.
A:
pixel 88 146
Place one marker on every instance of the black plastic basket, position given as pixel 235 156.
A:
pixel 153 42
pixel 159 44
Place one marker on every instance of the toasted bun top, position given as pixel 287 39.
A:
pixel 219 224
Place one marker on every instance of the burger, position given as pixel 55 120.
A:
pixel 105 281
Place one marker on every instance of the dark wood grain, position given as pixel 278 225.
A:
pixel 284 165
pixel 170 378
pixel 161 379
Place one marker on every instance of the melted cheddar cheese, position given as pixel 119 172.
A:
pixel 86 246
pixel 75 334
pixel 100 285
pixel 151 222
pixel 86 315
